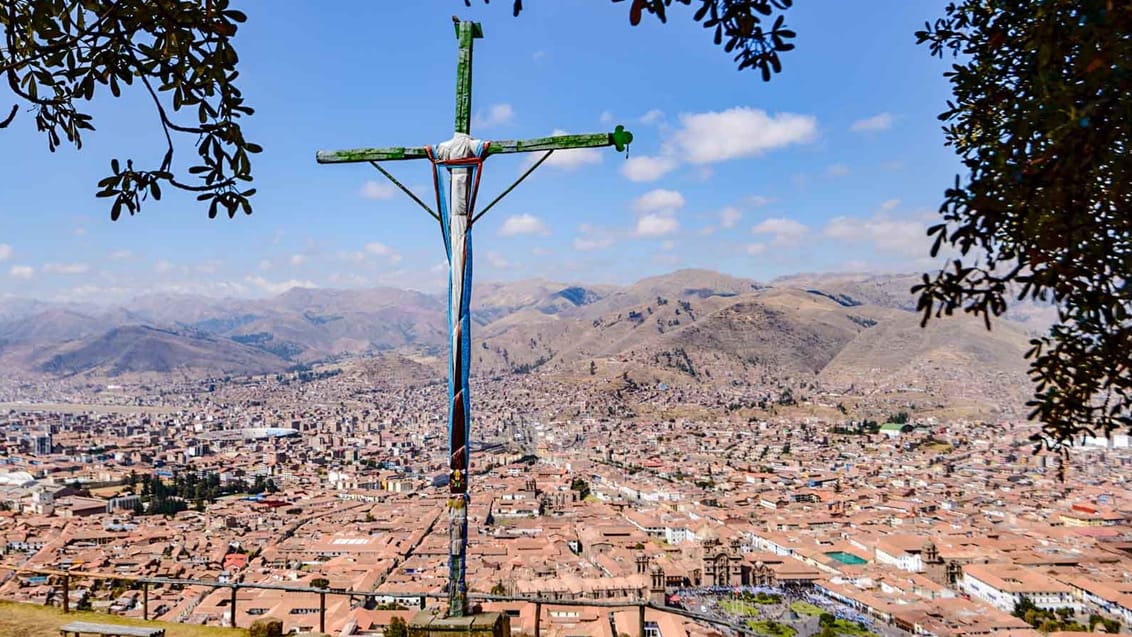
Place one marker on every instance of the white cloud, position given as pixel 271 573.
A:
pixel 837 170
pixel 298 259
pixel 739 132
pixel 497 114
pixel 6 252
pixel 591 238
pixel 587 244
pixel 872 124
pixel 121 255
pixel 118 293
pixel 210 266
pixel 902 236
pixel 377 190
pixel 66 268
pixel 784 232
pixel 757 201
pixel 523 224
pixel 606 117
pixel 368 252
pixel 645 168
pixel 667 244
pixel 264 265
pixel 889 205
pixel 855 265
pixel 498 261
pixel 21 272
pixel 277 287
pixel 657 212
pixel 348 279
pixel 95 292
pixel 729 216
pixel 162 266
pixel 569 159
pixel 656 225
pixel 755 249
pixel 380 249
pixel 705 138
pixel 659 200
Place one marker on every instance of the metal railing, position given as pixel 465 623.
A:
pixel 640 604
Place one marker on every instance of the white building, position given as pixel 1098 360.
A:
pixel 1112 597
pixel 1004 585
pixel 904 552
pixel 42 502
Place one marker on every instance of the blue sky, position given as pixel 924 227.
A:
pixel 837 164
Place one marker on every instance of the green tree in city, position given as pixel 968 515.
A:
pixel 581 487
pixel 899 418
pixel 397 628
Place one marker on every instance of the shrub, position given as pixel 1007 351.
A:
pixel 266 627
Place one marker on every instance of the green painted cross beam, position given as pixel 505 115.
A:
pixel 456 168
pixel 619 138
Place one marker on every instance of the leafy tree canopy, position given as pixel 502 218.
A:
pixel 740 26
pixel 1041 118
pixel 58 55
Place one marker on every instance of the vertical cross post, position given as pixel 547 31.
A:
pixel 232 610
pixel 456 166
pixel 466 32
pixel 456 221
pixel 322 612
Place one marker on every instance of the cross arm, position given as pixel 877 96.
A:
pixel 620 138
pixel 356 155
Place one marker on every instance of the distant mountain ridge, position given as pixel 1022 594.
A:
pixel 694 327
pixel 139 349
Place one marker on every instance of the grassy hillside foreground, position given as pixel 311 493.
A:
pixel 28 620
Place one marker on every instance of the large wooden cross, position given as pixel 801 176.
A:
pixel 456 167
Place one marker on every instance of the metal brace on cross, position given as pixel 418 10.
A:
pixel 456 168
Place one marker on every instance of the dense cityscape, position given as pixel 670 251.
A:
pixel 813 321
pixel 333 478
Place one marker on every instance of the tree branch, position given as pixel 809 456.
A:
pixel 11 116
pixel 49 49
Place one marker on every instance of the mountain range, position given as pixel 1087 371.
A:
pixel 691 327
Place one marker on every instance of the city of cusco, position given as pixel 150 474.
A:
pixel 785 320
